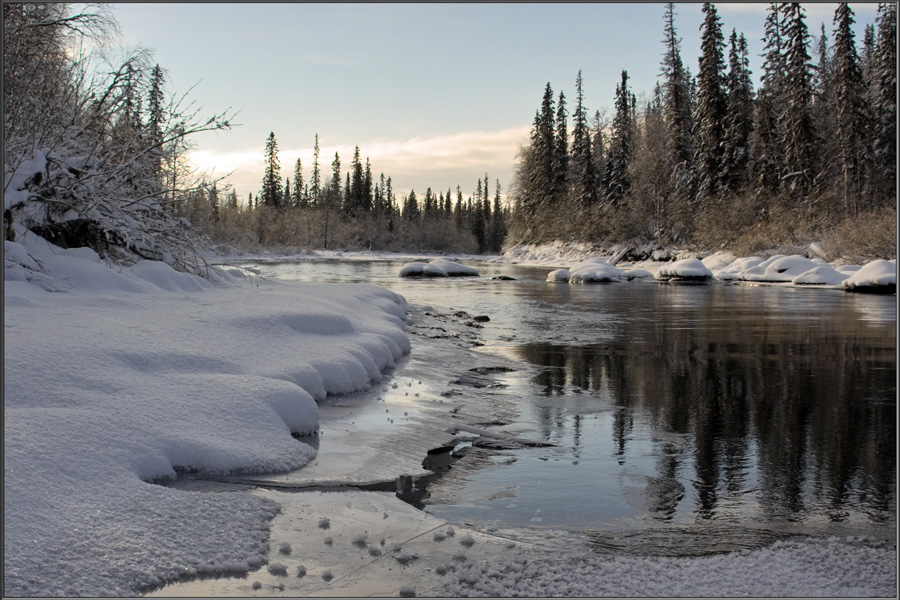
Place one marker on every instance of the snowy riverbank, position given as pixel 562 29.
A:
pixel 116 376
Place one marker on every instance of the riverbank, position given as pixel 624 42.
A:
pixel 119 378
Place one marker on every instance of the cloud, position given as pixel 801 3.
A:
pixel 416 163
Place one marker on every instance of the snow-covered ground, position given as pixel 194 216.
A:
pixel 117 376
pixel 114 377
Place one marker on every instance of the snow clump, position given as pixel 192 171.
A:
pixel 874 275
pixel 686 269
pixel 437 267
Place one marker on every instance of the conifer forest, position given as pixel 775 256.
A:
pixel 706 160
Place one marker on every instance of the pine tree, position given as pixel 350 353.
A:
pixel 582 169
pixel 315 183
pixel 367 198
pixel 677 108
pixel 620 147
pixel 738 120
pixel 299 198
pixel 271 183
pixel 885 95
pixel 286 194
pixel 561 151
pixel 543 147
pixel 796 123
pixel 709 116
pixel 851 112
pixel 498 224
pixel 411 208
pixel 156 118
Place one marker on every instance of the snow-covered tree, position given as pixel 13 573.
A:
pixel 80 168
pixel 710 112
pixel 738 121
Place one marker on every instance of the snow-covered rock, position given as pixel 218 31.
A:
pixel 734 269
pixel 559 276
pixel 821 275
pixel 422 269
pixel 437 267
pixel 454 269
pixel 878 276
pixel 686 269
pixel 594 270
pixel 779 269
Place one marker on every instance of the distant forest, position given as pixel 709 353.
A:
pixel 96 154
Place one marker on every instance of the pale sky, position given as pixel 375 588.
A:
pixel 435 94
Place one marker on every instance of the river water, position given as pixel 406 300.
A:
pixel 669 408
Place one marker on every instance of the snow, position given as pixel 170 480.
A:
pixel 876 273
pixel 821 275
pixel 126 375
pixel 779 269
pixel 559 275
pixel 796 568
pixel 686 268
pixel 15 183
pixel 437 267
pixel 454 269
pixel 594 270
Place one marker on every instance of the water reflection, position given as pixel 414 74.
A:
pixel 786 398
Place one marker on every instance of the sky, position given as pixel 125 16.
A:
pixel 434 94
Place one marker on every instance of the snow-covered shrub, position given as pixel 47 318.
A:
pixel 81 167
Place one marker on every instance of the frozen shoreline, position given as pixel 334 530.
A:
pixel 115 376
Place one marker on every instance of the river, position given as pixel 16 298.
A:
pixel 667 411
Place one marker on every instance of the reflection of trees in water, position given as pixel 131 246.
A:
pixel 812 405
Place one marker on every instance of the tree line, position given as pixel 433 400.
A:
pixel 709 161
pixel 351 209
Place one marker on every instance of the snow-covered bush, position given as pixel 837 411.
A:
pixel 82 167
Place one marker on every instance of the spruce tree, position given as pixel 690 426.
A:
pixel 796 123
pixel 709 116
pixel 616 176
pixel 885 95
pixel 315 183
pixel 367 198
pixel 543 148
pixel 677 108
pixel 582 169
pixel 156 118
pixel 561 151
pixel 298 199
pixel 850 109
pixel 271 183
pixel 738 121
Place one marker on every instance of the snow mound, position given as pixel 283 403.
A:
pixel 593 270
pixel 422 269
pixel 686 269
pixel 437 267
pixel 822 275
pixel 454 269
pixel 631 274
pixel 734 269
pixel 559 276
pixel 877 276
pixel 779 269
pixel 135 374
